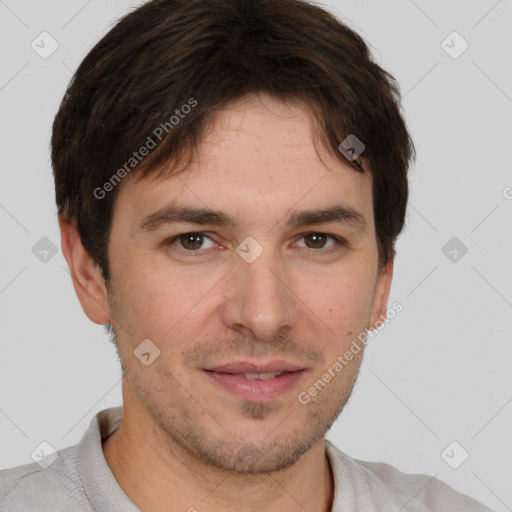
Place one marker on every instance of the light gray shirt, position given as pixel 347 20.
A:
pixel 79 480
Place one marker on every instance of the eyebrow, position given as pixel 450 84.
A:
pixel 205 216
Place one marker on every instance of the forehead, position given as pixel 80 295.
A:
pixel 261 157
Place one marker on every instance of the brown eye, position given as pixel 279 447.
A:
pixel 315 240
pixel 321 242
pixel 191 241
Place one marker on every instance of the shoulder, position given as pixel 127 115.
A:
pixel 39 489
pixel 382 484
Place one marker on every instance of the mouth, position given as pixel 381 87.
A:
pixel 256 382
pixel 261 376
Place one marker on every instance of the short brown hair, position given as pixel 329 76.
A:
pixel 170 53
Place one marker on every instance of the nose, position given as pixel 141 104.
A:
pixel 259 300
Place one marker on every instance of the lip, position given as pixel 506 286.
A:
pixel 228 376
pixel 249 367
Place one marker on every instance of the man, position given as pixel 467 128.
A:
pixel 231 177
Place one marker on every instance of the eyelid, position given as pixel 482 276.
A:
pixel 175 238
pixel 337 239
pixel 340 241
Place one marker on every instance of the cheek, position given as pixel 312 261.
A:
pixel 158 300
pixel 344 299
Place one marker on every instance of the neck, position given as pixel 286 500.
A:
pixel 158 479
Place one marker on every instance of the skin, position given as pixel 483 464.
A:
pixel 184 441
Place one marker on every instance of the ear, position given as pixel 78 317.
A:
pixel 86 275
pixel 381 294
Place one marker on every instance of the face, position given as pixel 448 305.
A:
pixel 250 302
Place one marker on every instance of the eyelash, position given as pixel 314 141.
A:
pixel 339 241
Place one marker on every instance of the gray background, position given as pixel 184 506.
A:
pixel 439 372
